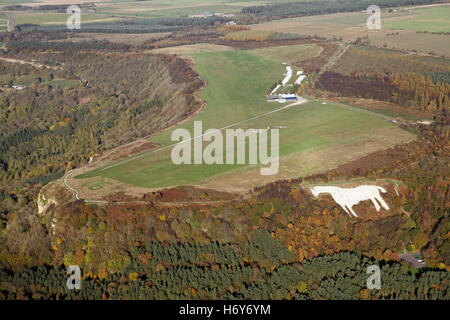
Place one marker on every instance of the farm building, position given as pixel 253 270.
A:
pixel 282 98
pixel 288 96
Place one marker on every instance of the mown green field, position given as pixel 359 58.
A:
pixel 236 85
pixel 432 19
pixel 235 91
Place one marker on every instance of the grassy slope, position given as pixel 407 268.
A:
pixel 236 82
pixel 235 91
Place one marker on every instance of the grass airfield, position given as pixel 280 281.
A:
pixel 313 137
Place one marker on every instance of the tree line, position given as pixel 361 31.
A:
pixel 47 128
pixel 340 276
pixel 303 8
pixel 407 89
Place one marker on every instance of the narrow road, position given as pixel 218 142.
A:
pixel 71 172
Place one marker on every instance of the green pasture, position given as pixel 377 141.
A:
pixel 432 19
pixel 235 92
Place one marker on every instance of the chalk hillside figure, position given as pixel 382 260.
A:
pixel 348 197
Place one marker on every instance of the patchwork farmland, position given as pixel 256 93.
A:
pixel 424 29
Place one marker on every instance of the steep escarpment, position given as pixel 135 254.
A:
pixel 65 114
pixel 91 102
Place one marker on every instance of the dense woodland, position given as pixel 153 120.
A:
pixel 412 81
pixel 47 128
pixel 407 89
pixel 306 8
pixel 214 271
pixel 15 47
pixel 144 25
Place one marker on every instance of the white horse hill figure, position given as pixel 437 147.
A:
pixel 348 197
